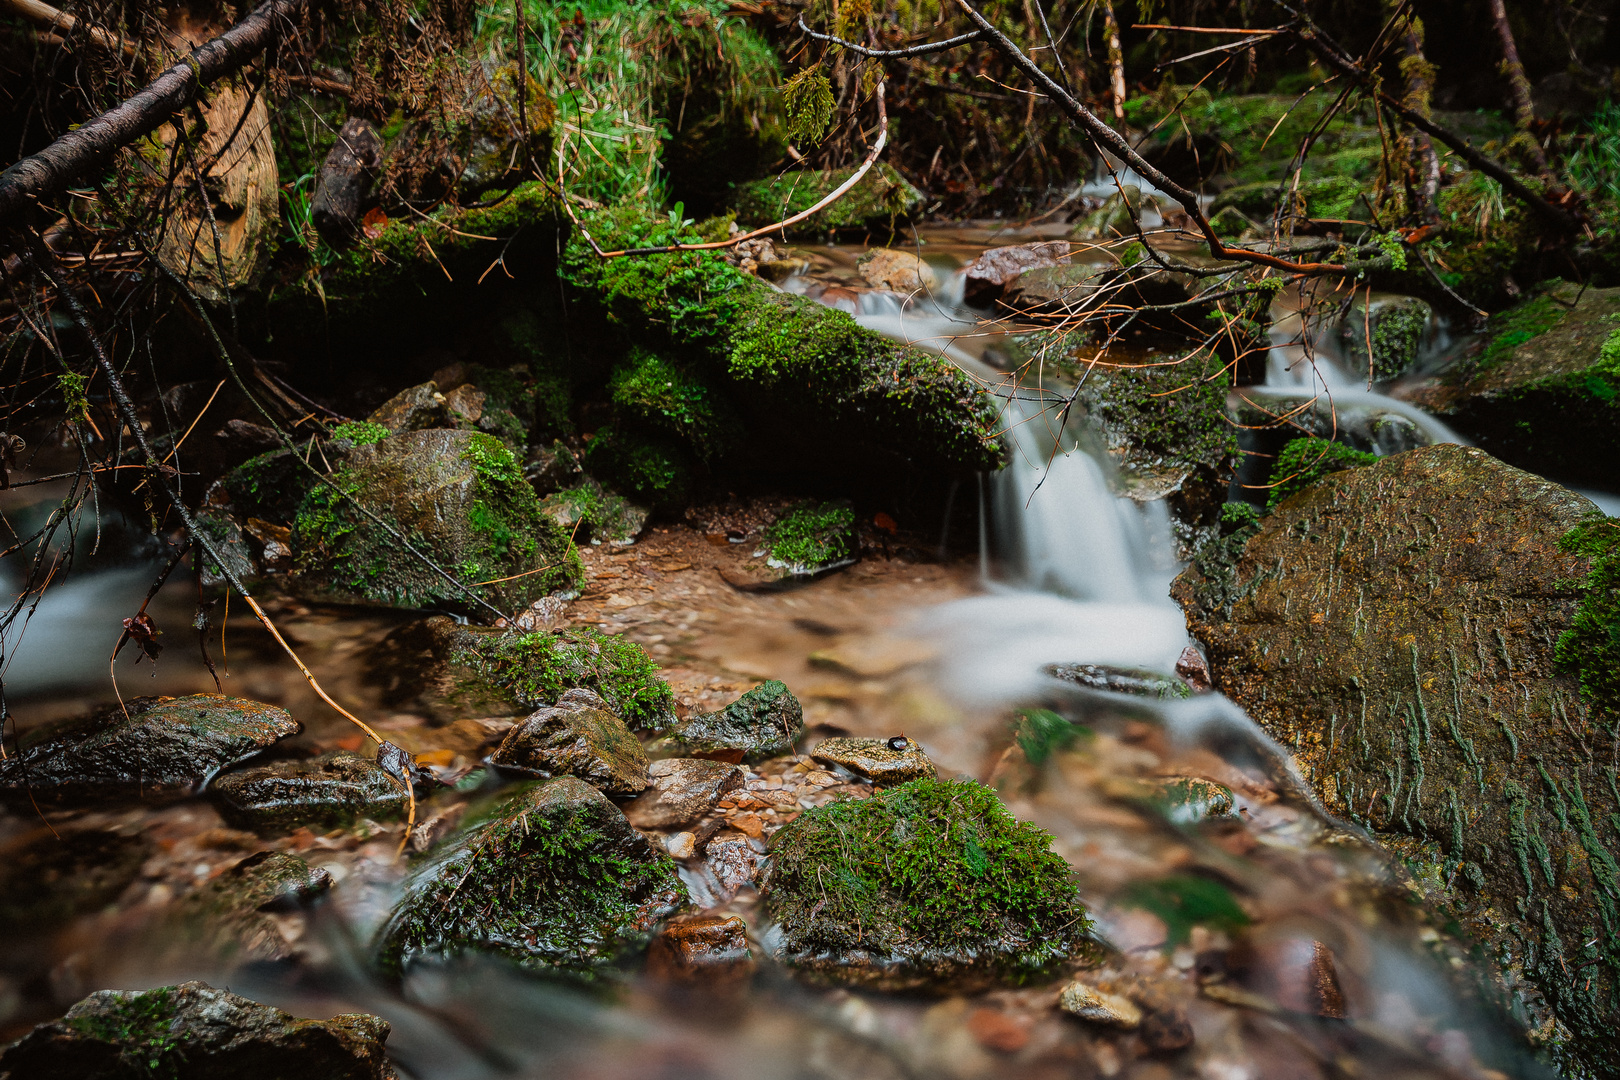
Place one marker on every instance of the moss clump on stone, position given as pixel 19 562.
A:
pixel 1395 324
pixel 1591 646
pixel 1303 462
pixel 1516 326
pixel 592 512
pixel 360 432
pixel 537 668
pixel 649 468
pixel 931 883
pixel 551 877
pixel 883 198
pixel 811 535
pixel 669 397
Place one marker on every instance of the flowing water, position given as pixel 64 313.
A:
pixel 948 653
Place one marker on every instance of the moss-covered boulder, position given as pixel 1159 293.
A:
pixel 806 380
pixel 811 537
pixel 1543 389
pixel 448 671
pixel 592 512
pixel 1394 626
pixel 1390 329
pixel 552 877
pixel 882 200
pixel 162 749
pixel 578 736
pixel 456 497
pixel 763 723
pixel 325 792
pixel 195 1032
pixel 928 885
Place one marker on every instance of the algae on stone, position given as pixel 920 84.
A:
pixel 1394 627
pixel 931 884
pixel 552 878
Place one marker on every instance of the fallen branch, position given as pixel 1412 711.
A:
pixel 90 146
pixel 57 19
pixel 836 194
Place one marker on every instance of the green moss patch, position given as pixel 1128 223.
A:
pixel 882 199
pixel 811 535
pixel 930 883
pixel 1591 646
pixel 670 397
pixel 1303 462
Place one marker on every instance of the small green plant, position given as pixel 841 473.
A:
pixel 360 432
pixel 1041 732
pixel 808 99
pixel 812 535
pixel 1591 646
pixel 1305 461
pixel 1395 247
pixel 1594 167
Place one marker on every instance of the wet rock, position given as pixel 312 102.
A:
pixel 1543 390
pixel 911 905
pixel 1296 973
pixel 461 499
pixel 1164 1031
pixel 1194 670
pixel 901 272
pixel 1119 680
pixel 590 511
pixel 883 761
pixel 1395 326
pixel 682 790
pixel 1065 290
pixel 706 950
pixel 447 671
pixel 166 749
pixel 1097 1006
pixel 1187 800
pixel 733 863
pixel 551 877
pixel 465 404
pixel 230 916
pixel 46 879
pixel 195 1032
pixel 1394 627
pixel 988 277
pixel 580 737
pixel 324 792
pixel 416 408
pixel 764 723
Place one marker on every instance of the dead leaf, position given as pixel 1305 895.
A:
pixel 373 224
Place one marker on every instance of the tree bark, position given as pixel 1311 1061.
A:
pixel 1418 73
pixel 1116 59
pixel 1524 112
pixel 345 179
pixel 91 145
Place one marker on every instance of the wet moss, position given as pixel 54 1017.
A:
pixel 811 535
pixel 881 200
pixel 929 883
pixel 550 876
pixel 140 1025
pixel 1302 462
pixel 537 668
pixel 1591 646
pixel 671 398
pixel 360 432
pixel 652 469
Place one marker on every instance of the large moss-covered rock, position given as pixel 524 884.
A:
pixel 805 378
pixel 195 1032
pixel 449 672
pixel 457 497
pixel 1394 327
pixel 552 878
pixel 163 749
pixel 764 722
pixel 1543 390
pixel 331 790
pixel 881 200
pixel 1394 626
pixel 928 885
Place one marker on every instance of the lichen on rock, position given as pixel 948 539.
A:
pixel 552 877
pixel 928 885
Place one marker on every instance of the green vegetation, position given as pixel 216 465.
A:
pixel 812 535
pixel 1515 327
pixel 139 1024
pixel 537 668
pixel 649 468
pixel 882 199
pixel 1305 461
pixel 1591 646
pixel 1042 732
pixel 360 432
pixel 1171 414
pixel 1184 902
pixel 669 397
pixel 931 871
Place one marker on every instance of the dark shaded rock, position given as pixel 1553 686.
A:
pixel 46 879
pixel 550 468
pixel 882 761
pixel 763 723
pixel 988 277
pixel 682 790
pixel 331 790
pixel 461 499
pixel 1394 627
pixel 195 1032
pixel 1120 680
pixel 1061 291
pixel 578 736
pixel 705 950
pixel 1543 390
pixel 415 408
pixel 936 886
pixel 450 672
pixel 551 877
pixel 228 918
pixel 1165 1031
pixel 344 181
pixel 166 749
